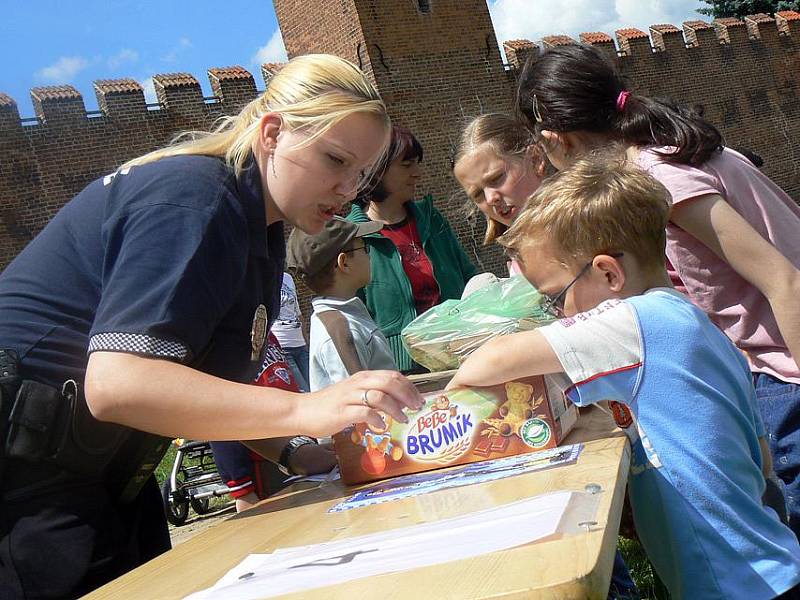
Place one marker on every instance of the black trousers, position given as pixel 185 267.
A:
pixel 71 540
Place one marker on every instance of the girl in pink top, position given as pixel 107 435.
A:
pixel 733 234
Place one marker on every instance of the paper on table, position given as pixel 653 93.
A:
pixel 306 567
pixel 414 484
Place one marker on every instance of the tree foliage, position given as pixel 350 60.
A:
pixel 742 8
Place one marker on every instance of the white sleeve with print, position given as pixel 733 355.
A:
pixel 601 352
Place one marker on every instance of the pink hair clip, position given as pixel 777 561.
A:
pixel 622 99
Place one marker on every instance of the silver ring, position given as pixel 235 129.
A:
pixel 364 398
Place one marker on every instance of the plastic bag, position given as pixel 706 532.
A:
pixel 442 337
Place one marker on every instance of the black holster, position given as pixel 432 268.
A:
pixel 48 425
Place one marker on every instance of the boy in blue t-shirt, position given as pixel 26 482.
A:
pixel 592 238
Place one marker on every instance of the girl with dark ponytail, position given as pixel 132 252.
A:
pixel 733 234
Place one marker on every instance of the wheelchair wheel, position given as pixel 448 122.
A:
pixel 200 505
pixel 176 512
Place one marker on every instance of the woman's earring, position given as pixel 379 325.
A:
pixel 272 160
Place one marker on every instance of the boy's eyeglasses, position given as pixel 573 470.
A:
pixel 365 248
pixel 555 304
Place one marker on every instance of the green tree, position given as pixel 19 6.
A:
pixel 742 8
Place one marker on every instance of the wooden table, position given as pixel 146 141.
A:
pixel 575 566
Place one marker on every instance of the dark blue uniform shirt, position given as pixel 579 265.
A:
pixel 169 260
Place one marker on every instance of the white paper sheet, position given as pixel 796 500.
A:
pixel 305 567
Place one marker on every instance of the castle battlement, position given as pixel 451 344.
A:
pixel 179 95
pixel 434 68
pixel 760 31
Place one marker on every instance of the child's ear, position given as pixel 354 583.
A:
pixel 612 271
pixel 341 261
pixel 552 140
pixel 536 155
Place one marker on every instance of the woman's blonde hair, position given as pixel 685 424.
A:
pixel 509 139
pixel 601 204
pixel 312 93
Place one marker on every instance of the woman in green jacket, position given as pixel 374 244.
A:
pixel 416 259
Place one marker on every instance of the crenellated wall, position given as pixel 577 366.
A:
pixel 46 160
pixel 436 64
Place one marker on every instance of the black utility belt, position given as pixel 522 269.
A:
pixel 42 424
pixel 49 425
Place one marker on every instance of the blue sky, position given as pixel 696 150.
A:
pixel 48 42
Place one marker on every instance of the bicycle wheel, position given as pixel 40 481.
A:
pixel 200 505
pixel 176 512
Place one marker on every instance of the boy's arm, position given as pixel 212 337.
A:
pixel 342 339
pixel 507 358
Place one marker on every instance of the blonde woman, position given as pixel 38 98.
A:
pixel 144 306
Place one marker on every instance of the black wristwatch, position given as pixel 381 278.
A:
pixel 289 449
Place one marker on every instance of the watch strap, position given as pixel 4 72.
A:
pixel 290 448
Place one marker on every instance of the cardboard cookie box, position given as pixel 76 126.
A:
pixel 458 427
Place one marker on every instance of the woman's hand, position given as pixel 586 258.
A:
pixel 311 459
pixel 357 399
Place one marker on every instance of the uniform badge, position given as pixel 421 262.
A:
pixel 258 334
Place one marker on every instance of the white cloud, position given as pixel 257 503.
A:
pixel 273 52
pixel 183 44
pixel 124 56
pixel 149 90
pixel 63 70
pixel 514 19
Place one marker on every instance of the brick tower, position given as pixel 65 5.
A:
pixel 435 63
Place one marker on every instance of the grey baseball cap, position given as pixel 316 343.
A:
pixel 308 254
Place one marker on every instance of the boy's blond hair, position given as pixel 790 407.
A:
pixel 601 204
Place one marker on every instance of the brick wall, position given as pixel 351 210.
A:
pixel 436 63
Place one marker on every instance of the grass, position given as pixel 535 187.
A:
pixel 164 469
pixel 641 570
pixel 165 466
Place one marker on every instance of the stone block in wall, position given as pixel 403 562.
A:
pixel 518 51
pixel 667 38
pixel 699 33
pixel 179 93
pixel 9 114
pixel 762 27
pixel 731 30
pixel 234 86
pixel 268 70
pixel 601 41
pixel 551 41
pixel 788 23
pixel 633 41
pixel 58 104
pixel 120 98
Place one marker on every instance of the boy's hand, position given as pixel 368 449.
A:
pixel 311 459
